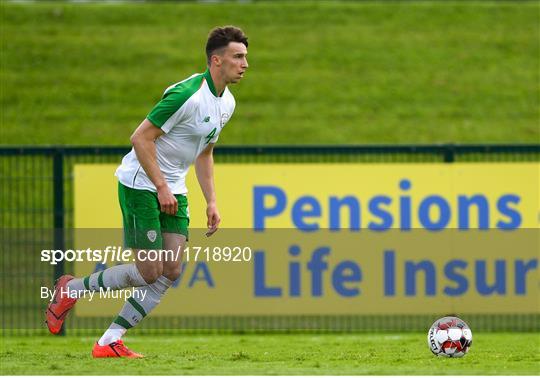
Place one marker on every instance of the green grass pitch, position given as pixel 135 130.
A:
pixel 293 354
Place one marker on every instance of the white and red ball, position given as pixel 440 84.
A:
pixel 449 337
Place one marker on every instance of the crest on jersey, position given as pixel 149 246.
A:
pixel 224 118
pixel 152 235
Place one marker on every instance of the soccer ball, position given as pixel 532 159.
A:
pixel 449 337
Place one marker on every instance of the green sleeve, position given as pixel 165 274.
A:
pixel 174 99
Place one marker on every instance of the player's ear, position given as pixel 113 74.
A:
pixel 216 59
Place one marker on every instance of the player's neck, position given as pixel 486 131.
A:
pixel 219 81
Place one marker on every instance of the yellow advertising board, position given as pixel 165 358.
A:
pixel 343 239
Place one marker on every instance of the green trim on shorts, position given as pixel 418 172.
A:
pixel 143 221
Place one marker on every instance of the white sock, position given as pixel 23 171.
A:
pixel 111 335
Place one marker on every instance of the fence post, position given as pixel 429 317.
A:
pixel 58 211
pixel 449 153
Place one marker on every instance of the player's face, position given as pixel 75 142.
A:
pixel 234 62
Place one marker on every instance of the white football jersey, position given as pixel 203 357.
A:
pixel 192 115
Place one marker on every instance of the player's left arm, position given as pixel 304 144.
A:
pixel 204 167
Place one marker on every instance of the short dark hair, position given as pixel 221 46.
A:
pixel 221 36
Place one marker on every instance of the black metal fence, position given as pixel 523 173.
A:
pixel 36 186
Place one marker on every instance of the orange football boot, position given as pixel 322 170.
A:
pixel 60 305
pixel 114 349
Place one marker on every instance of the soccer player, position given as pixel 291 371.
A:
pixel 179 131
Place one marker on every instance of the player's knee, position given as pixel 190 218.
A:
pixel 172 273
pixel 151 274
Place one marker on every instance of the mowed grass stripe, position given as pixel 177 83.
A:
pixel 321 73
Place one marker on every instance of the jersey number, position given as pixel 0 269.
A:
pixel 211 135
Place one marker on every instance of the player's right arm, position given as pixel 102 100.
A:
pixel 143 141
